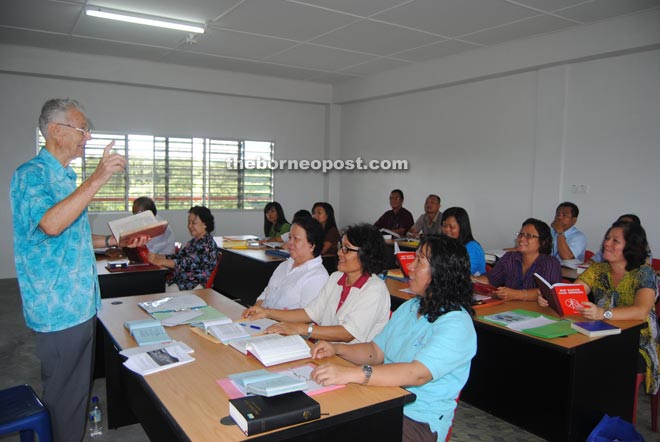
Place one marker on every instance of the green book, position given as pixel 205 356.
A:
pixel 549 331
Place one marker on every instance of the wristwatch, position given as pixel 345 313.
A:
pixel 309 330
pixel 367 370
pixel 607 314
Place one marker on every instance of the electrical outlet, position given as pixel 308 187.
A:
pixel 579 189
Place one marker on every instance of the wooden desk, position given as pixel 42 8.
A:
pixel 555 388
pixel 185 403
pixel 244 273
pixel 397 297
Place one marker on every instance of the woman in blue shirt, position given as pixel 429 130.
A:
pixel 426 347
pixel 456 224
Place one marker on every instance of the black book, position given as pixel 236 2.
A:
pixel 257 414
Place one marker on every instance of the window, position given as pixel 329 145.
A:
pixel 180 172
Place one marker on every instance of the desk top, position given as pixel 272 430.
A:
pixel 190 393
pixel 568 342
pixel 256 254
pixel 102 271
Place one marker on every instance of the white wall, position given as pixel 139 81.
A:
pixel 298 129
pixel 511 147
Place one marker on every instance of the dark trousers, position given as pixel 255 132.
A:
pixel 66 374
pixel 414 431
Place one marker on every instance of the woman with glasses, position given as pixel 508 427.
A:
pixel 297 281
pixel 456 224
pixel 353 306
pixel 513 274
pixel 426 347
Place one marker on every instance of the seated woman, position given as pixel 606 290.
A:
pixel 275 223
pixel 325 214
pixel 456 224
pixel 426 347
pixel 194 263
pixel 623 287
pixel 628 217
pixel 163 244
pixel 297 281
pixel 353 306
pixel 513 274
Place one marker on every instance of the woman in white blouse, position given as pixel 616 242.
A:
pixel 298 281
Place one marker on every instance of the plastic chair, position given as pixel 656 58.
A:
pixel 654 397
pixel 209 282
pixel 22 411
pixel 655 263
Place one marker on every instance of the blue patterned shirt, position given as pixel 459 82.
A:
pixel 194 263
pixel 56 274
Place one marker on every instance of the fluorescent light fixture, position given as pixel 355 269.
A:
pixel 143 20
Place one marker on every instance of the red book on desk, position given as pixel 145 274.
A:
pixel 562 298
pixel 405 259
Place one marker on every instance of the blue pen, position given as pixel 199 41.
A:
pixel 256 327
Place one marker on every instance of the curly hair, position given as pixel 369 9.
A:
pixel 450 288
pixel 371 244
pixel 545 236
pixel 281 219
pixel 463 221
pixel 313 231
pixel 205 215
pixel 636 249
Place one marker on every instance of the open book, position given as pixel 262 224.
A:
pixel 160 359
pixel 142 224
pixel 274 349
pixel 562 298
pixel 390 232
pixel 175 303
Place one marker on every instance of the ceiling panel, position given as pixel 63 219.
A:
pixel 357 7
pixel 40 14
pixel 319 57
pixel 549 5
pixel 604 9
pixel 436 50
pixel 375 38
pixel 238 44
pixel 452 18
pixel 282 19
pixel 540 24
pixel 378 65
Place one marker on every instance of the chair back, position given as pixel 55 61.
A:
pixel 588 254
pixel 209 282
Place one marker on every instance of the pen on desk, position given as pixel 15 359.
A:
pixel 256 327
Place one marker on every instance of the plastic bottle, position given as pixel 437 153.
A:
pixel 95 419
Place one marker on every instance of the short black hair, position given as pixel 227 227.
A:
pixel 313 230
pixel 399 191
pixel 545 236
pixel 636 249
pixel 145 203
pixel 463 221
pixel 450 287
pixel 574 209
pixel 205 215
pixel 302 213
pixel 371 244
pixel 634 218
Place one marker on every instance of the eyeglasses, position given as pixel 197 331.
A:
pixel 526 235
pixel 79 129
pixel 345 249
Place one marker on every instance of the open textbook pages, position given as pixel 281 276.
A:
pixel 280 350
pixel 153 361
pixel 175 303
pixel 141 224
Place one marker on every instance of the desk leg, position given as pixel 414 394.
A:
pixel 119 413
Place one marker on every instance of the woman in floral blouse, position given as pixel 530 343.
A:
pixel 194 263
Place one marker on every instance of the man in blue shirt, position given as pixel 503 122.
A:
pixel 567 241
pixel 55 263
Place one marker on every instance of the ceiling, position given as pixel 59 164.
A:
pixel 326 41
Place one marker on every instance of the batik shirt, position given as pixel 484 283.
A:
pixel 194 263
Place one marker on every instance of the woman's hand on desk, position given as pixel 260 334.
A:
pixel 333 374
pixel 255 312
pixel 323 349
pixel 288 328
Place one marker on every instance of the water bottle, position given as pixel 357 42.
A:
pixel 95 419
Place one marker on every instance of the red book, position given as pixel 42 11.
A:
pixel 562 298
pixel 405 259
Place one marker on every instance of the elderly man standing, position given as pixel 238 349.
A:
pixel 55 264
pixel 429 222
pixel 567 241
